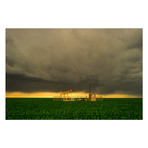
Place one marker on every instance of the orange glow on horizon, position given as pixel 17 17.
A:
pixel 56 95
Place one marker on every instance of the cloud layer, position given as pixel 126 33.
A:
pixel 59 59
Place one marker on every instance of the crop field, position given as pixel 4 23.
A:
pixel 46 109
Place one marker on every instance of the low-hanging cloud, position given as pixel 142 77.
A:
pixel 59 59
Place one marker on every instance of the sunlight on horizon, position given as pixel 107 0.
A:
pixel 57 95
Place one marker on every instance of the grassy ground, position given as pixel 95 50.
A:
pixel 44 108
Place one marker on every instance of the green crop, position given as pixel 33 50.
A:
pixel 46 109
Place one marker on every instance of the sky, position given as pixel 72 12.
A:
pixel 44 62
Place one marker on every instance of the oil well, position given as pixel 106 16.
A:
pixel 64 96
pixel 91 96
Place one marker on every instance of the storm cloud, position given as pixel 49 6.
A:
pixel 59 59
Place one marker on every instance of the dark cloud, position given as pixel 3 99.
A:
pixel 59 59
pixel 17 82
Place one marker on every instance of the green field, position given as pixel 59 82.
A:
pixel 46 109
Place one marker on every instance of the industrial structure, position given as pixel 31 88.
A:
pixel 91 96
pixel 64 96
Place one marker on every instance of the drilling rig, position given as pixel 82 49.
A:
pixel 92 96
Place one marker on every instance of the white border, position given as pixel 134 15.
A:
pixel 72 14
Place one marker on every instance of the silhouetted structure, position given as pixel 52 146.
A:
pixel 92 96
